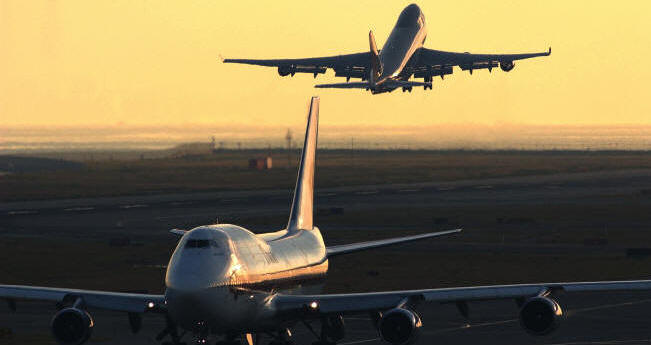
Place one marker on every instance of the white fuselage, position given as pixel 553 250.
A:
pixel 407 36
pixel 219 277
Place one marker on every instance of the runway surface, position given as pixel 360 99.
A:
pixel 154 215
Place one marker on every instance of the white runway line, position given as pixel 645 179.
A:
pixel 408 190
pixel 607 306
pixel 77 209
pixel 367 192
pixel 179 203
pixel 185 216
pixel 443 189
pixel 469 325
pixel 133 206
pixel 11 213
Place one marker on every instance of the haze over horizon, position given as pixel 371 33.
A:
pixel 101 63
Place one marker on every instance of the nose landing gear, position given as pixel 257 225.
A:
pixel 172 331
pixel 284 337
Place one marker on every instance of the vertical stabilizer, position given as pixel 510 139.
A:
pixel 300 217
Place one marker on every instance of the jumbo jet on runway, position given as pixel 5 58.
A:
pixel 226 281
pixel 401 57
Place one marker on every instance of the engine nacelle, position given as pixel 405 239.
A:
pixel 72 326
pixel 286 70
pixel 399 326
pixel 506 66
pixel 540 315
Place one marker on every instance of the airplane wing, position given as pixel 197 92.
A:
pixel 348 65
pixel 381 301
pixel 439 63
pixel 354 247
pixel 117 301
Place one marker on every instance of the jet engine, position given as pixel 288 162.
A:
pixel 399 326
pixel 286 70
pixel 72 326
pixel 540 315
pixel 506 66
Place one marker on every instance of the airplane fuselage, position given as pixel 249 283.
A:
pixel 398 52
pixel 221 277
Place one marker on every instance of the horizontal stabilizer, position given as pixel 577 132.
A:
pixel 355 247
pixel 354 85
pixel 178 232
pixel 365 85
pixel 406 83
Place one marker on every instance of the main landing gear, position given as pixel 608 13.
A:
pixel 406 88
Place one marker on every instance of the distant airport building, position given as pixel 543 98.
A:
pixel 261 163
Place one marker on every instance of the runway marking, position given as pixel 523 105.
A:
pixel 76 209
pixel 468 325
pixel 484 187
pixel 408 190
pixel 133 206
pixel 179 203
pixel 185 216
pixel 21 212
pixel 328 194
pixel 443 189
pixel 367 192
pixel 615 305
pixel 360 341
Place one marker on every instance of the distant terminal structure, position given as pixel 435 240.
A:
pixel 261 163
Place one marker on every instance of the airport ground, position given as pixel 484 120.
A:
pixel 559 225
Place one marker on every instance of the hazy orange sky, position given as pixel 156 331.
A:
pixel 156 62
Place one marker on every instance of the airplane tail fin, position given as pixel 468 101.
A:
pixel 376 64
pixel 300 217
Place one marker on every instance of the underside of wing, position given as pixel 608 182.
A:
pixel 118 301
pixel 355 247
pixel 432 63
pixel 349 65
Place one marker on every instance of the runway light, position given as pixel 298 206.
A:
pixel 314 305
pixel 151 305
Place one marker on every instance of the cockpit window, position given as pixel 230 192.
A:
pixel 409 16
pixel 201 244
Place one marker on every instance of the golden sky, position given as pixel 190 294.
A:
pixel 82 62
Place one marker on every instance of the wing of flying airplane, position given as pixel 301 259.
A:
pixel 439 63
pixel 348 65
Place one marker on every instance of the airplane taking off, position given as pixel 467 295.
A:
pixel 227 281
pixel 402 56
